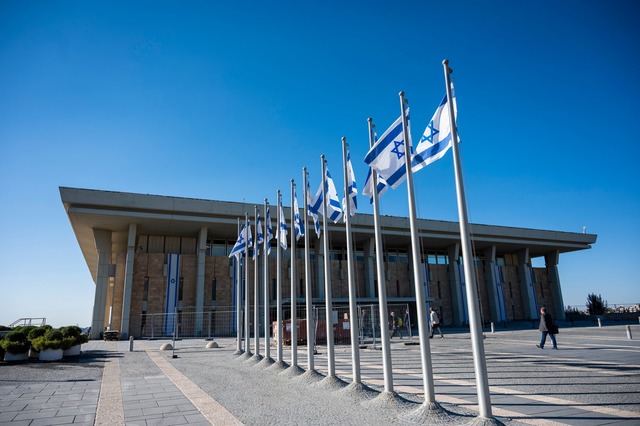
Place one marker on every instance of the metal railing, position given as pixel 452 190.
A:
pixel 28 321
pixel 221 322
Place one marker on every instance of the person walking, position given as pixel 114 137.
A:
pixel 547 326
pixel 393 325
pixel 407 321
pixel 435 323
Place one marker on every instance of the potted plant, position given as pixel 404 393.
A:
pixel 33 334
pixel 16 346
pixel 49 345
pixel 72 340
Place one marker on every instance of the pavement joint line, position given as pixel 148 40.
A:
pixel 110 410
pixel 213 411
pixel 539 398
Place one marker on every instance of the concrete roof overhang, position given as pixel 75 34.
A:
pixel 165 215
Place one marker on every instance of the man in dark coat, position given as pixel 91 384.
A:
pixel 547 326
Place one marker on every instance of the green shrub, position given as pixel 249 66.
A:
pixel 52 339
pixel 73 335
pixel 15 342
pixel 39 331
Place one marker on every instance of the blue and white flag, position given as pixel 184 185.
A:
pixel 269 231
pixel 334 209
pixel 173 286
pixel 241 243
pixel 368 186
pixel 436 140
pixel 313 206
pixel 259 237
pixel 282 229
pixel 387 155
pixel 297 221
pixel 352 190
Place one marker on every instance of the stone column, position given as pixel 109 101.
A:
pixel 128 281
pixel 369 267
pixel 103 245
pixel 529 303
pixel 459 310
pixel 200 274
pixel 490 282
pixel 320 268
pixel 551 260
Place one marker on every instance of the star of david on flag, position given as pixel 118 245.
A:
pixel 297 221
pixel 436 140
pixel 368 186
pixel 269 231
pixel 259 237
pixel 352 190
pixel 313 205
pixel 387 155
pixel 282 229
pixel 241 243
pixel 334 209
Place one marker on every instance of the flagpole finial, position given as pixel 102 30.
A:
pixel 344 139
pixel 401 94
pixel 322 157
pixel 369 120
pixel 445 62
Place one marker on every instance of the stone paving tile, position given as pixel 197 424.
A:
pixel 53 421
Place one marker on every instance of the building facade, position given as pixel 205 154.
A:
pixel 128 239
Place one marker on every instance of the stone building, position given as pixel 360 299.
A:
pixel 127 239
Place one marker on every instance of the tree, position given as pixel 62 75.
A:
pixel 595 304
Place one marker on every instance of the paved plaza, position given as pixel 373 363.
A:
pixel 593 379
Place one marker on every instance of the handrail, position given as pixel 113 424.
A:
pixel 28 321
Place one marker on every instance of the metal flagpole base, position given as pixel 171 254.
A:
pixel 256 358
pixel 430 413
pixel 389 400
pixel 310 377
pixel 358 391
pixel 245 356
pixel 238 352
pixel 331 382
pixel 292 371
pixel 278 366
pixel 266 362
pixel 483 421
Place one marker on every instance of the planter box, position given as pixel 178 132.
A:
pixel 33 354
pixel 51 354
pixel 8 356
pixel 72 351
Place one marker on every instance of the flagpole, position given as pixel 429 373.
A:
pixel 294 293
pixel 239 350
pixel 267 323
pixel 256 289
pixel 307 279
pixel 353 310
pixel 247 315
pixel 382 285
pixel 327 278
pixel 479 361
pixel 279 286
pixel 425 350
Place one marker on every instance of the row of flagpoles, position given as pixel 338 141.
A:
pixel 387 161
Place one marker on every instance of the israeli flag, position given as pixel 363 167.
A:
pixel 436 140
pixel 313 206
pixel 297 221
pixel 352 190
pixel 269 231
pixel 259 237
pixel 241 243
pixel 282 231
pixel 387 155
pixel 368 186
pixel 334 209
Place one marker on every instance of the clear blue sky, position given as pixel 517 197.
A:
pixel 229 100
